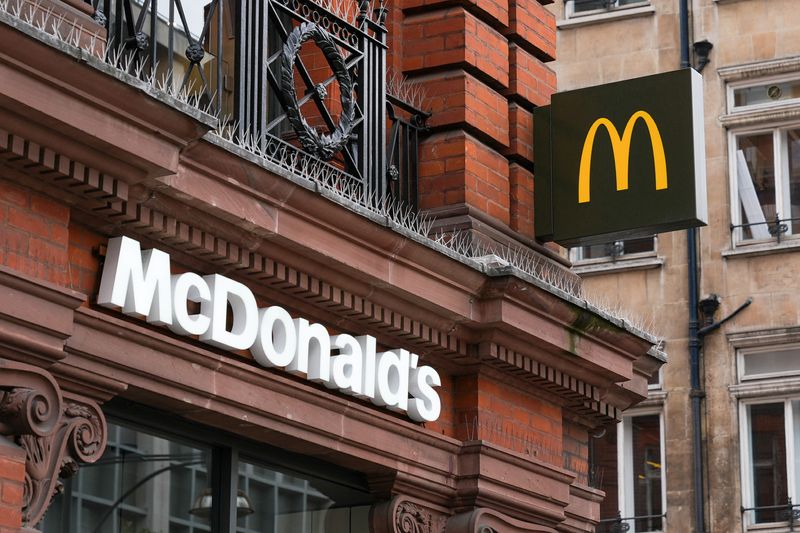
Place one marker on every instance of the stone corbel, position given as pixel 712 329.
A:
pixel 488 521
pixel 57 434
pixel 401 515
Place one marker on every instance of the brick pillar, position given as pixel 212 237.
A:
pixel 12 479
pixel 33 233
pixel 483 68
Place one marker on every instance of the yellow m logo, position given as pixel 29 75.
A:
pixel 622 148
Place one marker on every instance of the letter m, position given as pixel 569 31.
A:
pixel 622 147
pixel 136 282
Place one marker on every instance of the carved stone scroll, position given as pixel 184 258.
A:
pixel 400 515
pixel 56 434
pixel 489 521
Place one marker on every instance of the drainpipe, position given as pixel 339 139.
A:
pixel 696 394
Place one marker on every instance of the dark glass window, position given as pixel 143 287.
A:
pixel 768 458
pixel 616 249
pixel 149 482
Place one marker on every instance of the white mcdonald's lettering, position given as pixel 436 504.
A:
pixel 139 283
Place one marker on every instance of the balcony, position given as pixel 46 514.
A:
pixel 302 84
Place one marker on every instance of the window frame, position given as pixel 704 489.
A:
pixel 780 155
pixel 745 443
pixel 777 118
pixel 744 352
pixel 732 86
pixel 576 254
pixel 625 492
pixel 226 451
pixel 569 8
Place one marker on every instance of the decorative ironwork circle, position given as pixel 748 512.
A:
pixel 323 146
pixel 195 53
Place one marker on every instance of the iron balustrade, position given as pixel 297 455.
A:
pixel 620 524
pixel 787 512
pixel 408 123
pixel 298 77
pixel 776 227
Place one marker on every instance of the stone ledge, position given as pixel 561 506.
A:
pixel 620 265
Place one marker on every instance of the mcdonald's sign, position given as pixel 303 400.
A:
pixel 620 160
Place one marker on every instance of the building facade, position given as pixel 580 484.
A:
pixel 222 308
pixel 743 475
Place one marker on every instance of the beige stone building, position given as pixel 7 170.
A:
pixel 749 373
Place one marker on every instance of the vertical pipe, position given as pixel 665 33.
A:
pixel 696 392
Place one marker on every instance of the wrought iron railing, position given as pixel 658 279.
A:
pixel 642 523
pixel 787 512
pixel 403 154
pixel 777 227
pixel 300 76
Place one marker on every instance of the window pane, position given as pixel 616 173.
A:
pixel 143 482
pixel 756 183
pixel 646 442
pixel 769 92
pixel 580 6
pixel 638 246
pixel 778 361
pixel 768 457
pixel 617 248
pixel 277 502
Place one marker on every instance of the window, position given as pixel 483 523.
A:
pixel 577 8
pixel 770 462
pixel 764 159
pixel 768 366
pixel 771 362
pixel 766 164
pixel 615 250
pixel 148 482
pixel 629 461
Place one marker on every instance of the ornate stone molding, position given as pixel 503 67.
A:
pixel 488 521
pixel 56 433
pixel 108 197
pixel 400 515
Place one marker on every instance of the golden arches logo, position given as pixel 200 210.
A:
pixel 621 147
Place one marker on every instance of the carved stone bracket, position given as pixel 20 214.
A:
pixel 56 433
pixel 488 521
pixel 400 515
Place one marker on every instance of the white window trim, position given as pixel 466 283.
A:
pixel 574 254
pixel 742 353
pixel 606 16
pixel 745 83
pixel 780 156
pixel 625 495
pixel 746 463
pixel 570 9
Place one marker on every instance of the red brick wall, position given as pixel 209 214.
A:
pixel 12 477
pixel 576 450
pixel 487 408
pixel 482 65
pixel 33 233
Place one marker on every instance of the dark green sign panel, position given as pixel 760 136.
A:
pixel 621 160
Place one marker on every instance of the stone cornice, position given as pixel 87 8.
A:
pixel 36 318
pixel 195 198
pixel 760 69
pixel 398 271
